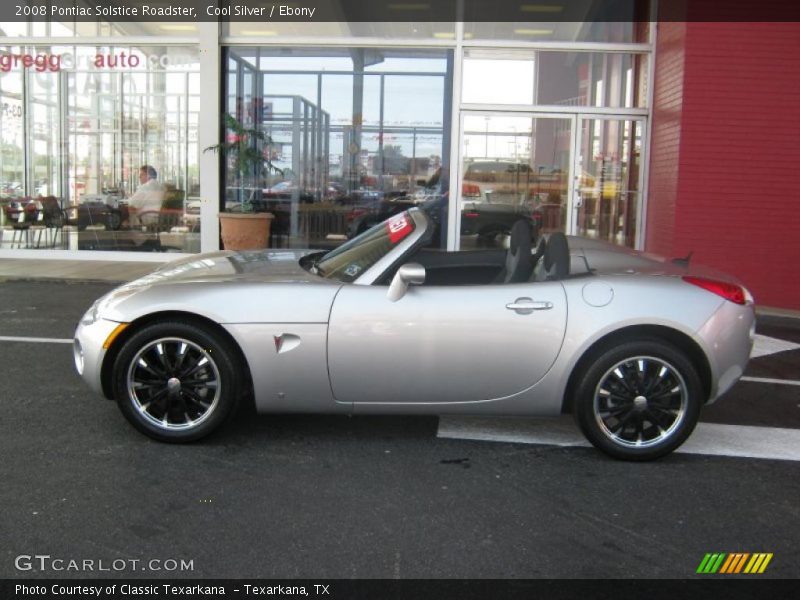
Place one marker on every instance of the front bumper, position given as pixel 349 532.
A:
pixel 88 351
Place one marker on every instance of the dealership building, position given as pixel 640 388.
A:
pixel 654 128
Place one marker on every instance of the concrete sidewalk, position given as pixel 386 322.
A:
pixel 76 270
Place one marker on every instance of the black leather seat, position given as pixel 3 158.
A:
pixel 519 262
pixel 556 257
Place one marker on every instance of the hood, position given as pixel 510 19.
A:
pixel 264 287
pixel 259 266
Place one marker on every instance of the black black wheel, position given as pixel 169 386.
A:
pixel 639 400
pixel 176 381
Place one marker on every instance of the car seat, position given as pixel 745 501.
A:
pixel 556 259
pixel 519 262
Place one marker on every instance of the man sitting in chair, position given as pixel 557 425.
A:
pixel 145 204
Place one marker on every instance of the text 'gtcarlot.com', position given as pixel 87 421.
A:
pixel 45 562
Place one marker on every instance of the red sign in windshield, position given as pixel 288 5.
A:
pixel 398 227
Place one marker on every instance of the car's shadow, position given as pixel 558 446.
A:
pixel 249 425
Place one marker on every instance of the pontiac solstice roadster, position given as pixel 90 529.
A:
pixel 631 344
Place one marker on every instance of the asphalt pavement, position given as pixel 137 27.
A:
pixel 367 497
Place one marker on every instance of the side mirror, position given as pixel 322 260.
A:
pixel 408 274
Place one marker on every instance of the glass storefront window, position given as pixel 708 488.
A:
pixel 555 78
pixel 485 76
pixel 541 31
pixel 355 135
pixel 618 22
pixel 100 147
pixel 12 135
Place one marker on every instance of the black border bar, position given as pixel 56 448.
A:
pixel 710 587
pixel 262 11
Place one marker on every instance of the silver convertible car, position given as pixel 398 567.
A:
pixel 631 344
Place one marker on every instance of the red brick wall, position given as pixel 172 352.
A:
pixel 665 139
pixel 725 173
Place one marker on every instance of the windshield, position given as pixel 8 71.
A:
pixel 350 260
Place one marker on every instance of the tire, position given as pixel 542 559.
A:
pixel 647 412
pixel 150 381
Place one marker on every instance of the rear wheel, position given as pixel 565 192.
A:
pixel 639 400
pixel 176 381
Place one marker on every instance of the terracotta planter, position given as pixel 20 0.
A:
pixel 245 231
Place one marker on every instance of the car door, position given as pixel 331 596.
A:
pixel 443 344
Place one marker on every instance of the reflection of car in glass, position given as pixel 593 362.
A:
pixel 286 190
pixel 499 181
pixel 11 188
pixel 631 344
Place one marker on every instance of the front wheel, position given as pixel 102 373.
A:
pixel 639 400
pixel 176 381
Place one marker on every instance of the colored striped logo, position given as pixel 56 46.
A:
pixel 735 562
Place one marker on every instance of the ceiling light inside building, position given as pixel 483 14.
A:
pixel 257 32
pixel 541 8
pixel 533 31
pixel 177 27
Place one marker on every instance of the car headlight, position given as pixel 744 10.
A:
pixel 91 315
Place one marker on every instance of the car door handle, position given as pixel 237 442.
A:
pixel 525 306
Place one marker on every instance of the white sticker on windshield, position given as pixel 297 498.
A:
pixel 352 270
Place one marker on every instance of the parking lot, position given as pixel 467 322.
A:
pixel 379 497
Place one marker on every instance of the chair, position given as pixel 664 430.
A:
pixel 157 222
pixel 54 218
pixel 23 218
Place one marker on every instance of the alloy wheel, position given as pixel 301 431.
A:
pixel 173 383
pixel 640 402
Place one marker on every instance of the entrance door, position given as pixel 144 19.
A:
pixel 576 173
pixel 514 166
pixel 607 180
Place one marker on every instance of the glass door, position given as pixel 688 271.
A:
pixel 514 166
pixel 607 178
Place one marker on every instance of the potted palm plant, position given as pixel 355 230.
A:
pixel 248 152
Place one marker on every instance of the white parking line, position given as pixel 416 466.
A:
pixel 771 380
pixel 35 340
pixel 742 441
pixel 764 345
